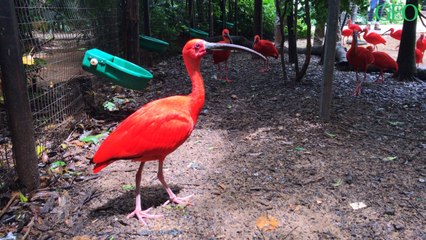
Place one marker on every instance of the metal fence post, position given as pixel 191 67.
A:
pixel 16 97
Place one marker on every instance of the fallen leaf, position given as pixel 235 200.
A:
pixel 337 182
pixel 357 205
pixel 266 223
pixel 390 158
pixel 128 187
pixel 299 148
pixel 22 198
pixel 330 135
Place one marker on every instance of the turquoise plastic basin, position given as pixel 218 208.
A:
pixel 118 70
pixel 152 44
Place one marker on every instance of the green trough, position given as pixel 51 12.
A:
pixel 118 70
pixel 196 33
pixel 152 44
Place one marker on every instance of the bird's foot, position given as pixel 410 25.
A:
pixel 183 200
pixel 357 90
pixel 143 214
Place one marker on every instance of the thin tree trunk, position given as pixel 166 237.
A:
pixel 406 54
pixel 328 68
pixel 292 53
pixel 301 74
pixel 236 16
pixel 258 28
pixel 223 14
pixel 281 29
pixel 211 29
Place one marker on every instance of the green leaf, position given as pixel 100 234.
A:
pixel 110 106
pixel 22 198
pixel 330 135
pixel 57 164
pixel 337 182
pixel 395 123
pixel 128 187
pixel 93 138
pixel 390 158
pixel 299 148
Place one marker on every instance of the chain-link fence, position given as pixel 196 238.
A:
pixel 54 36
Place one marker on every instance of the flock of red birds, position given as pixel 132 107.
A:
pixel 265 47
pixel 360 58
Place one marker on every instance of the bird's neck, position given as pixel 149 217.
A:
pixel 197 93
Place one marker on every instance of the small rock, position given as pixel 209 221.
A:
pixel 389 211
pixel 233 96
pixel 398 226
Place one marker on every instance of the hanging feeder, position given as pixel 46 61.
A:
pixel 118 70
pixel 152 44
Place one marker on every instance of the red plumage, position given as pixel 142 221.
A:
pixel 373 38
pixel 223 55
pixel 397 34
pixel 353 26
pixel 346 33
pixel 265 47
pixel 160 127
pixel 359 58
pixel 419 56
pixel 384 62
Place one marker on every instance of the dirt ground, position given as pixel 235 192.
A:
pixel 260 163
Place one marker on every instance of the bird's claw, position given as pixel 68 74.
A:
pixel 143 214
pixel 178 200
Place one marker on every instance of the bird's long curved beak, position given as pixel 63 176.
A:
pixel 229 37
pixel 385 32
pixel 228 46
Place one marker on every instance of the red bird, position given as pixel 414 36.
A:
pixel 346 33
pixel 222 56
pixel 421 43
pixel 373 38
pixel 419 56
pixel 384 62
pixel 267 48
pixel 395 34
pixel 359 58
pixel 353 26
pixel 161 126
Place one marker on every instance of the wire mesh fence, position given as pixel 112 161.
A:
pixel 54 36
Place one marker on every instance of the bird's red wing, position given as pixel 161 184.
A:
pixel 384 61
pixel 150 133
pixel 269 48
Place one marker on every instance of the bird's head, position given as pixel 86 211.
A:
pixel 226 35
pixel 197 48
pixel 256 38
pixel 390 30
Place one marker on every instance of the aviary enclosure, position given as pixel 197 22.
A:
pixel 260 163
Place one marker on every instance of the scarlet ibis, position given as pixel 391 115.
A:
pixel 353 26
pixel 346 33
pixel 359 58
pixel 161 126
pixel 265 47
pixel 373 38
pixel 421 43
pixel 419 56
pixel 384 62
pixel 396 34
pixel 222 56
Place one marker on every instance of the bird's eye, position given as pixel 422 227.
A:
pixel 197 46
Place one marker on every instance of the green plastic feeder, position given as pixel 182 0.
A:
pixel 118 70
pixel 152 44
pixel 196 33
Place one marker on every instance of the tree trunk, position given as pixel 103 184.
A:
pixel 292 53
pixel 281 32
pixel 146 19
pixel 223 14
pixel 328 68
pixel 191 13
pixel 236 16
pixel 130 33
pixel 301 74
pixel 258 23
pixel 406 54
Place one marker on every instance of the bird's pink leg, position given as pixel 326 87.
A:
pixel 138 210
pixel 357 90
pixel 381 78
pixel 219 73
pixel 172 196
pixel 265 66
pixel 226 72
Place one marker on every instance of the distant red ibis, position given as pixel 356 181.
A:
pixel 346 33
pixel 359 58
pixel 265 47
pixel 384 62
pixel 396 34
pixel 223 55
pixel 373 38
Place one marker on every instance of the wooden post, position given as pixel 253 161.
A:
pixel 16 98
pixel 146 18
pixel 329 56
pixel 130 30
